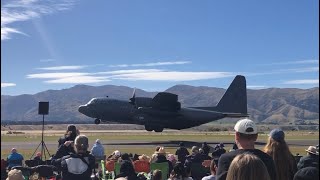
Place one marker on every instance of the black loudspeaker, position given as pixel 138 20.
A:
pixel 43 108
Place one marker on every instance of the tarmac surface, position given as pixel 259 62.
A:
pixel 113 144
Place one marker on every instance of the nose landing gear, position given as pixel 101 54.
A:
pixel 97 121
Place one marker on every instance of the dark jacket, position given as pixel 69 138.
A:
pixel 63 151
pixel 162 158
pixel 182 154
pixel 309 161
pixel 74 167
pixel 226 159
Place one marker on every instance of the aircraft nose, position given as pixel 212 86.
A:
pixel 82 109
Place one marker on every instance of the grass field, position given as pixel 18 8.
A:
pixel 293 137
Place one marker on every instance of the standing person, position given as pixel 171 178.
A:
pixel 79 165
pixel 246 134
pixel 70 134
pixel 206 148
pixel 247 166
pixel 14 159
pixel 97 150
pixel 278 149
pixel 311 160
pixel 182 153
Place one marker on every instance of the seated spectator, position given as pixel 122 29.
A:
pixel 182 152
pixel 161 157
pixel 195 156
pixel 143 164
pixel 115 156
pixel 127 171
pixel 278 149
pixel 247 166
pixel 97 150
pixel 172 159
pixel 307 173
pixel 179 172
pixel 204 156
pixel 311 160
pixel 156 175
pixel 154 155
pixel 125 157
pixel 38 159
pixel 144 157
pixel 14 159
pixel 79 165
pixel 213 171
pixel 70 135
pixel 15 174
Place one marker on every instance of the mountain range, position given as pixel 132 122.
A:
pixel 271 106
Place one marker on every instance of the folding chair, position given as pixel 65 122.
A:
pixel 164 167
pixel 141 166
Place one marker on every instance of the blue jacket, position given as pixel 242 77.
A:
pixel 14 159
pixel 97 150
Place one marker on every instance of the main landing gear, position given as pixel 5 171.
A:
pixel 97 121
pixel 155 128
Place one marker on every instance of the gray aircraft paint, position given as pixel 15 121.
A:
pixel 233 104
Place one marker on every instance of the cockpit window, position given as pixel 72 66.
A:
pixel 93 100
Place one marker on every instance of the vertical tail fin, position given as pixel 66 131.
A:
pixel 234 99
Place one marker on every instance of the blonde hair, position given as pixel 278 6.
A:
pixel 284 161
pixel 82 143
pixel 247 167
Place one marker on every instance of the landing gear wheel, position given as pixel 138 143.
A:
pixel 97 121
pixel 148 128
pixel 158 129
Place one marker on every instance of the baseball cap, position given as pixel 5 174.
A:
pixel 277 134
pixel 117 153
pixel 246 126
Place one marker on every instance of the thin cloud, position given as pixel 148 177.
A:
pixel 152 64
pixel 58 68
pixel 55 75
pixel 3 85
pixel 78 80
pixel 303 81
pixel 309 61
pixel 47 60
pixel 172 76
pixel 129 75
pixel 24 10
pixel 256 87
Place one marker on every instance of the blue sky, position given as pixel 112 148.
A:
pixel 153 45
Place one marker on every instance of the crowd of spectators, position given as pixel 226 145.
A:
pixel 244 161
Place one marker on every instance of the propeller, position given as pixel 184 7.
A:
pixel 133 97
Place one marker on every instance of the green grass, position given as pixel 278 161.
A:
pixel 291 137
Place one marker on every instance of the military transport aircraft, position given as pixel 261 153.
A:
pixel 164 110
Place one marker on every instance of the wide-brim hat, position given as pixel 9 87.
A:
pixel 15 174
pixel 312 150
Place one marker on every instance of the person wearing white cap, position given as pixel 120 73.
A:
pixel 311 160
pixel 246 134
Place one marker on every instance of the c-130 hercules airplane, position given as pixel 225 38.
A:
pixel 164 110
